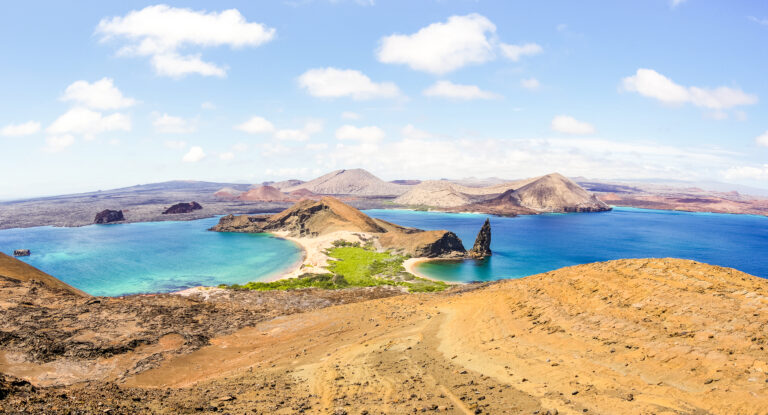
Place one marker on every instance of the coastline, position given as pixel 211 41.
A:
pixel 410 267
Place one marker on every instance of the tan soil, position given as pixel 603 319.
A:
pixel 642 336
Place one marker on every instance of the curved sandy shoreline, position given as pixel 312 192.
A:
pixel 410 266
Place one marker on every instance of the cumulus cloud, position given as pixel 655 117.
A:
pixel 762 139
pixel 161 32
pixel 652 84
pixel 447 89
pixel 370 134
pixel 530 83
pixel 100 95
pixel 194 155
pixel 303 134
pixel 227 156
pixel 569 125
pixel 88 123
pixel 256 125
pixel 169 124
pixel 442 47
pixel 515 52
pixel 747 172
pixel 335 83
pixel 18 130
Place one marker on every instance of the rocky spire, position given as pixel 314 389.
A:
pixel 482 247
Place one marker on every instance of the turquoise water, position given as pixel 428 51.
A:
pixel 528 245
pixel 150 257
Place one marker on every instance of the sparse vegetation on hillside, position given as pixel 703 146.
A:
pixel 353 266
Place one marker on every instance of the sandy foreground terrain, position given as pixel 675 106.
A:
pixel 658 336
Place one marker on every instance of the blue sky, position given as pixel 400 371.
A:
pixel 108 94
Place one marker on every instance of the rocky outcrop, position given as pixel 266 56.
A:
pixel 109 216
pixel 21 252
pixel 182 208
pixel 482 247
pixel 311 218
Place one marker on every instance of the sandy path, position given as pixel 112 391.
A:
pixel 624 337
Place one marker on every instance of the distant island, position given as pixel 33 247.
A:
pixel 550 193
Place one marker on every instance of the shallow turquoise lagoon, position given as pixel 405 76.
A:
pixel 528 245
pixel 150 257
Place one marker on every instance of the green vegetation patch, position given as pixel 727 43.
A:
pixel 353 265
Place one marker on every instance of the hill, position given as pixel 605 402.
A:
pixel 633 336
pixel 553 193
pixel 21 271
pixel 356 182
pixel 263 194
pixel 311 219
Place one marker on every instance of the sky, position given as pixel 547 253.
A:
pixel 98 95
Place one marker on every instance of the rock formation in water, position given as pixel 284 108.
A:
pixel 482 247
pixel 182 208
pixel 21 252
pixel 311 218
pixel 109 216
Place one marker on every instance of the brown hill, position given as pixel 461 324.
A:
pixel 448 193
pixel 311 218
pixel 18 270
pixel 634 336
pixel 263 194
pixel 227 193
pixel 357 182
pixel 552 193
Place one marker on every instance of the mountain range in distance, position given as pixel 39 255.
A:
pixel 363 190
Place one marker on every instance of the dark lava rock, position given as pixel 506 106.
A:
pixel 21 252
pixel 482 247
pixel 182 208
pixel 108 216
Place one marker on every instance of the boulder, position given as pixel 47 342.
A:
pixel 182 208
pixel 482 247
pixel 109 216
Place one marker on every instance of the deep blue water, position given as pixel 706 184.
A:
pixel 150 257
pixel 528 245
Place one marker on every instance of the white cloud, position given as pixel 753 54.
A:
pixel 762 139
pixel 194 155
pixel 442 47
pixel 169 124
pixel 369 134
pixel 207 105
pixel 747 172
pixel 447 89
pixel 515 52
pixel 18 130
pixel 57 143
pixel 335 83
pixel 176 144
pixel 100 95
pixel 162 31
pixel 88 123
pixel 530 83
pixel 240 147
pixel 763 22
pixel 227 156
pixel 177 66
pixel 652 84
pixel 411 132
pixel 349 115
pixel 256 125
pixel 569 125
pixel 310 128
